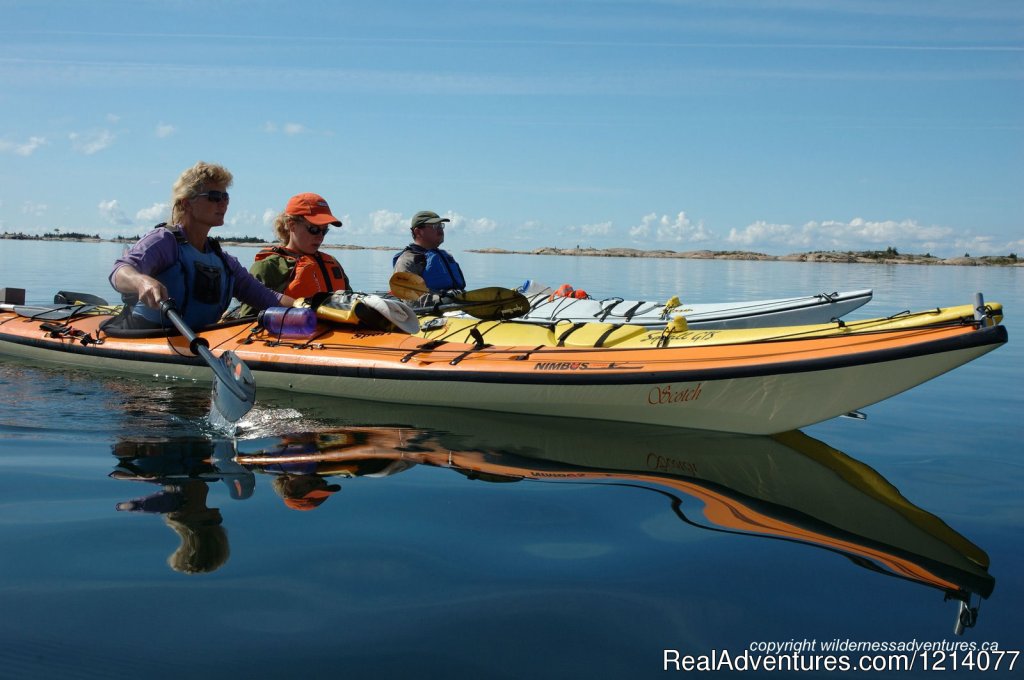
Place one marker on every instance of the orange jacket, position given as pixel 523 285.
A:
pixel 308 274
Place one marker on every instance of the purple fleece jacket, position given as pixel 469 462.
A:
pixel 158 250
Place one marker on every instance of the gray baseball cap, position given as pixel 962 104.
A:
pixel 425 218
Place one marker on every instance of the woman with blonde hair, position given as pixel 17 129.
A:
pixel 180 262
pixel 297 267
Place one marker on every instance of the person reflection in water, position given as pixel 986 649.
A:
pixel 302 482
pixel 183 469
pixel 303 491
pixel 204 542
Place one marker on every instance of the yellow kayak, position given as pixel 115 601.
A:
pixel 593 334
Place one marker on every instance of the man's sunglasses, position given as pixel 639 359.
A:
pixel 215 196
pixel 316 230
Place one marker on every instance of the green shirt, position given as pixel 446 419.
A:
pixel 272 271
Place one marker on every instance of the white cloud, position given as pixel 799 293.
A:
pixel 291 129
pixel 678 229
pixel 481 225
pixel 601 229
pixel 476 225
pixel 112 212
pixel 385 222
pixel 91 143
pixel 269 215
pixel 1016 247
pixel 32 208
pixel 242 219
pixel 113 118
pixel 986 245
pixel 153 214
pixel 882 233
pixel 857 234
pixel 26 148
pixel 165 130
pixel 764 233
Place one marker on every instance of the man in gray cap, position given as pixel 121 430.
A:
pixel 424 256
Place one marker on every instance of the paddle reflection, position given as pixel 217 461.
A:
pixel 788 487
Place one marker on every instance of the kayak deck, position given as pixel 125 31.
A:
pixel 606 335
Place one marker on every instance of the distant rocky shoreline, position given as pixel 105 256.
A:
pixel 888 256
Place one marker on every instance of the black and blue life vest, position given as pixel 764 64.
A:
pixel 201 284
pixel 441 271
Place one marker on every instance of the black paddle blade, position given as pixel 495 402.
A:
pixel 46 313
pixel 66 297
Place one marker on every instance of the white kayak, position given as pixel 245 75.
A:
pixel 548 307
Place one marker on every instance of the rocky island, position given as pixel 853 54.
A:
pixel 888 256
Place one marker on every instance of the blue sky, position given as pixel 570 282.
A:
pixel 775 126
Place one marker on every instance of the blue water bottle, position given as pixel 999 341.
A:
pixel 288 322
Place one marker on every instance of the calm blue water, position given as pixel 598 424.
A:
pixel 436 557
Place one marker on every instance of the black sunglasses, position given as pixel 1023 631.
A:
pixel 317 230
pixel 215 196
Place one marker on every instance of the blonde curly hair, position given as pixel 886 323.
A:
pixel 192 182
pixel 281 224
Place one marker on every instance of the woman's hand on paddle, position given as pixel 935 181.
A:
pixel 150 291
pixel 128 279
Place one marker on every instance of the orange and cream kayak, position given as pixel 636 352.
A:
pixel 777 381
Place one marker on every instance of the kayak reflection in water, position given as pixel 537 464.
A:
pixel 788 487
pixel 183 468
pixel 300 474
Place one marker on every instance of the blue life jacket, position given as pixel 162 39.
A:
pixel 201 284
pixel 441 271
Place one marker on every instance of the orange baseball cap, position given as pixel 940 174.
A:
pixel 313 207
pixel 312 499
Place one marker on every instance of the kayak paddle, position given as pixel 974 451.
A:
pixel 55 312
pixel 234 388
pixel 65 297
pixel 488 304
pixel 66 305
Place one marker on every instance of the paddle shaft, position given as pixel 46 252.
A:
pixel 485 311
pixel 201 347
